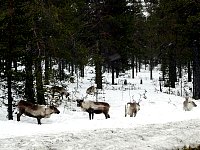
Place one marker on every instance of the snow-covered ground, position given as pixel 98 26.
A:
pixel 160 124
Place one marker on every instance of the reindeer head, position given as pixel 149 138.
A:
pixel 187 98
pixel 138 106
pixel 79 102
pixel 54 109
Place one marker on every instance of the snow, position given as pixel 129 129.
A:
pixel 160 124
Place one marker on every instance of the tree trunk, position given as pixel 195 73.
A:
pixel 61 69
pixel 163 68
pixel 189 72
pixel 29 88
pixel 72 68
pixel 196 72
pixel 180 70
pixel 172 69
pixel 47 70
pixel 82 70
pixel 172 75
pixel 117 70
pixel 133 67
pixel 139 62
pixel 98 65
pixel 151 69
pixel 113 73
pixel 145 63
pixel 9 83
pixel 39 83
pixel 136 65
pixel 9 59
pixel 98 75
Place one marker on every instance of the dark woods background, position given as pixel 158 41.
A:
pixel 112 35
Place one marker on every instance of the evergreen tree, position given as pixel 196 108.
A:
pixel 7 45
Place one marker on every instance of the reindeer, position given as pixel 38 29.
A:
pixel 91 90
pixel 94 108
pixel 132 108
pixel 59 90
pixel 188 104
pixel 36 111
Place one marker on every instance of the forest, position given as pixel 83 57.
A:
pixel 112 35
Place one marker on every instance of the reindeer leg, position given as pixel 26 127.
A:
pixel 131 115
pixel 106 115
pixel 92 115
pixel 135 113
pixel 39 120
pixel 18 116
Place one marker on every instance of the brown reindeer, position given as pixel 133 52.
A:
pixel 91 90
pixel 94 108
pixel 60 90
pixel 34 110
pixel 132 108
pixel 188 104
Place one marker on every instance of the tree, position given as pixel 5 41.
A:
pixel 11 35
pixel 193 28
pixel 109 23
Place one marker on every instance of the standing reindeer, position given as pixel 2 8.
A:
pixel 94 108
pixel 188 104
pixel 36 111
pixel 60 90
pixel 132 108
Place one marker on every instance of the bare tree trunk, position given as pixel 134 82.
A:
pixel 38 73
pixel 72 68
pixel 163 68
pixel 117 70
pixel 9 59
pixel 61 71
pixel 180 70
pixel 139 62
pixel 151 69
pixel 29 88
pixel 47 70
pixel 113 73
pixel 172 75
pixel 133 66
pixel 136 65
pixel 189 72
pixel 39 83
pixel 196 72
pixel 172 68
pixel 145 63
pixel 98 75
pixel 98 65
pixel 82 70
